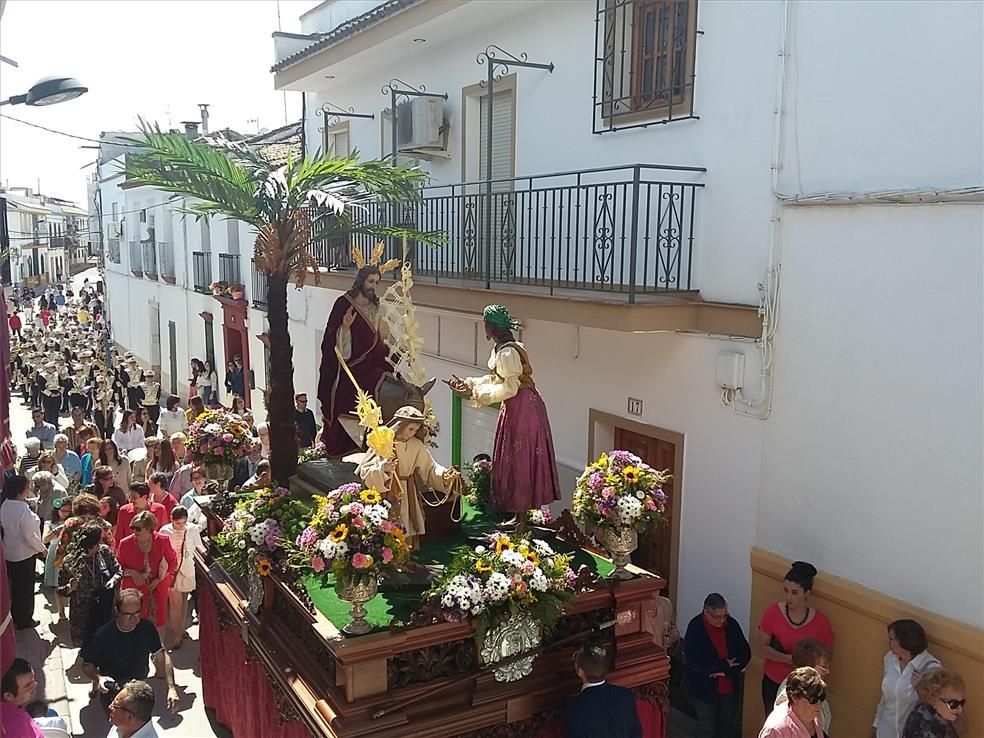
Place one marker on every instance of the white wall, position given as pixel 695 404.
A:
pixel 872 464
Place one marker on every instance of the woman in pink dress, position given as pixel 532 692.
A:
pixel 149 563
pixel 524 467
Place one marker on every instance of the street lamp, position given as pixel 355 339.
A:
pixel 49 91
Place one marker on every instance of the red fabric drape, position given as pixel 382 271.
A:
pixel 652 719
pixel 238 691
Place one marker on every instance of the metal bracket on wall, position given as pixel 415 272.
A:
pixel 333 115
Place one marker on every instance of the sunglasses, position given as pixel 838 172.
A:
pixel 954 704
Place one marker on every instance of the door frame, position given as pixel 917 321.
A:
pixel 603 419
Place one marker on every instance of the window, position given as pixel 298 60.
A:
pixel 337 140
pixel 645 52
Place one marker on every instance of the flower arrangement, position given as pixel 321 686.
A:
pixel 514 575
pixel 259 530
pixel 351 534
pixel 218 437
pixel 620 491
pixel 478 479
pixel 317 451
pixel 540 517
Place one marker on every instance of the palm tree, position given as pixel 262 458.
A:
pixel 236 181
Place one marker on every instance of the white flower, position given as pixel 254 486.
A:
pixel 512 557
pixel 242 544
pixel 479 549
pixel 497 587
pixel 542 547
pixel 447 600
pixel 628 509
pixel 539 581
pixel 640 494
pixel 375 514
pixel 213 428
pixel 344 509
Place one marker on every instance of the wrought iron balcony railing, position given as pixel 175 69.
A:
pixel 150 260
pixel 136 259
pixel 201 266
pixel 165 254
pixel 229 269
pixel 627 231
pixel 259 289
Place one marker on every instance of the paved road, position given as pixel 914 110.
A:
pixel 60 679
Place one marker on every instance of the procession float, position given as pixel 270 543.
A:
pixel 385 595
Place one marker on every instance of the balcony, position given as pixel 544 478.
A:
pixel 259 289
pixel 150 260
pixel 136 259
pixel 201 264
pixel 620 233
pixel 229 269
pixel 165 254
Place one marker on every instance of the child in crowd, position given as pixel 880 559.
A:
pixel 61 509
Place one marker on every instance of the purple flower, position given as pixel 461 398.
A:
pixel 597 481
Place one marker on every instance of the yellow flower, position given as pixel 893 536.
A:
pixel 481 566
pixel 339 534
pixel 380 440
pixel 398 536
pixel 263 567
pixel 371 497
pixel 603 460
pixel 533 558
pixel 370 416
pixel 502 544
pixel 631 474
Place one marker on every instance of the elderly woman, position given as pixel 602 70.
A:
pixel 263 433
pixel 45 489
pixel 27 463
pixel 800 716
pixel 105 486
pixel 149 564
pixel 48 463
pixel 907 659
pixel 939 714
pixel 68 459
pixel 810 652
pixel 786 623
pixel 89 575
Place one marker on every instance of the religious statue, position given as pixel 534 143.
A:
pixel 524 468
pixel 357 329
pixel 403 478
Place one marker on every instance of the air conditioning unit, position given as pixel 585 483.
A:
pixel 421 126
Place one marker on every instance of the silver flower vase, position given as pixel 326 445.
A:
pixel 619 543
pixel 357 590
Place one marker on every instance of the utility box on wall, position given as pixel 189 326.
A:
pixel 730 370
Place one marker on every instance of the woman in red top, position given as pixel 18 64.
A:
pixel 786 623
pixel 148 562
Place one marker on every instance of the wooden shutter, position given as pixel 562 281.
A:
pixel 501 263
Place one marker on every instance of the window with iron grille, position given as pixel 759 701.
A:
pixel 644 62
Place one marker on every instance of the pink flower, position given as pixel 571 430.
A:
pixel 607 492
pixel 358 522
pixel 387 554
pixel 387 526
pixel 227 437
pixel 360 561
pixel 203 448
pixel 318 564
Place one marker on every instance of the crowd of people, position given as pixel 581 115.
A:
pixel 102 494
pixel 920 698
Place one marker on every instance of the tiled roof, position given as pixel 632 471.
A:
pixel 344 30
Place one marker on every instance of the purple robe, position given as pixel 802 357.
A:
pixel 368 362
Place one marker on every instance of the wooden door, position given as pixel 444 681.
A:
pixel 655 551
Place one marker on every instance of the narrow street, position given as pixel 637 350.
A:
pixel 50 651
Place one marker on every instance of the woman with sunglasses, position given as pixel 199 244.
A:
pixel 800 716
pixel 939 714
pixel 906 661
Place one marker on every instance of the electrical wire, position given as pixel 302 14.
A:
pixel 69 135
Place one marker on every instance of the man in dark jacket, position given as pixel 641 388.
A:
pixel 716 652
pixel 307 429
pixel 601 710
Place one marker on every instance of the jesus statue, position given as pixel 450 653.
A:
pixel 524 468
pixel 355 326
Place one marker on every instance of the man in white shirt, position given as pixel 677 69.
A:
pixel 21 543
pixel 173 419
pixel 130 712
